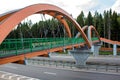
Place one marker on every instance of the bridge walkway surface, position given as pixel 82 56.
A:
pixel 110 41
pixel 13 47
pixel 12 50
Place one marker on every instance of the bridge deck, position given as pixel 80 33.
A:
pixel 17 49
pixel 110 41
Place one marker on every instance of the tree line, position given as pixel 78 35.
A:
pixel 107 25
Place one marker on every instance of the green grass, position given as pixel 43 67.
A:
pixel 106 53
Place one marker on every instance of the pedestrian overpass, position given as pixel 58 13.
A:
pixel 12 50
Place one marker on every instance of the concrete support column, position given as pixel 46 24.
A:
pixel 64 49
pixel 80 56
pixel 92 48
pixel 96 50
pixel 25 61
pixel 114 49
pixel 73 48
pixel 89 34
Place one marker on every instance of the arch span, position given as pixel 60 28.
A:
pixel 83 28
pixel 62 20
pixel 10 22
pixel 59 17
pixel 90 28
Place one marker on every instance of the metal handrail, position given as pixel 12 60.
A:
pixel 14 46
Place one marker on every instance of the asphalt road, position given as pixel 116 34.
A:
pixel 103 60
pixel 56 74
pixel 109 60
pixel 2 79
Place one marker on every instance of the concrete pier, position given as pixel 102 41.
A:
pixel 96 49
pixel 114 49
pixel 80 56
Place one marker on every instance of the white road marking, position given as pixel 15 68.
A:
pixel 51 73
pixel 5 75
pixel 2 76
pixel 11 75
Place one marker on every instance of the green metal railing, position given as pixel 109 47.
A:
pixel 95 38
pixel 12 47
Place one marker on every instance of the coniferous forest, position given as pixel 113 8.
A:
pixel 107 25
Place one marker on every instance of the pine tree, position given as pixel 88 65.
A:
pixel 115 27
pixel 81 19
pixel 89 19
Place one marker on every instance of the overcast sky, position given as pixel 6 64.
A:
pixel 73 7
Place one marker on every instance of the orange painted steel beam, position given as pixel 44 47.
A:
pixel 34 54
pixel 8 24
pixel 7 14
pixel 83 28
pixel 59 17
pixel 93 28
pixel 2 17
pixel 62 20
pixel 110 41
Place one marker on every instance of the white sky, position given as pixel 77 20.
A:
pixel 73 7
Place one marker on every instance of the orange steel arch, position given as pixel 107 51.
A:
pixel 62 20
pixel 83 28
pixel 91 28
pixel 59 17
pixel 10 22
